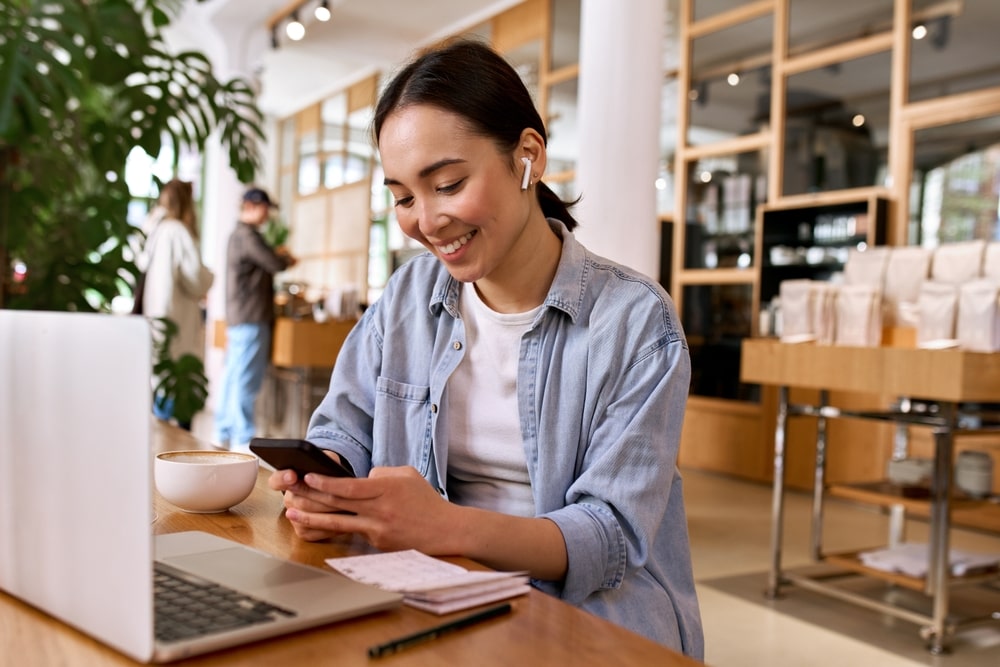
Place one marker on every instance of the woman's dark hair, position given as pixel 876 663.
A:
pixel 470 80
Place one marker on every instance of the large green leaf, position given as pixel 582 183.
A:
pixel 81 83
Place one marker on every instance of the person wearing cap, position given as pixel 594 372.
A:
pixel 250 267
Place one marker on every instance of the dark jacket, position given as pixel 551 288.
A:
pixel 250 268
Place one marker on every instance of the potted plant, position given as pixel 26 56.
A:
pixel 83 82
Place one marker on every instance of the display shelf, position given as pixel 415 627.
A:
pixel 809 238
pixel 851 560
pixel 958 382
pixel 915 498
pixel 970 513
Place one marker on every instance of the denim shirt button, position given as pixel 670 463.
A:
pixel 457 345
pixel 434 408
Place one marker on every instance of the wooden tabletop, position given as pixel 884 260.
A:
pixel 940 375
pixel 541 630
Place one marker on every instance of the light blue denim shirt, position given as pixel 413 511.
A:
pixel 602 387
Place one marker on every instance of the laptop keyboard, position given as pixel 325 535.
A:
pixel 188 607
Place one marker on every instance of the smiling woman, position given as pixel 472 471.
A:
pixel 512 397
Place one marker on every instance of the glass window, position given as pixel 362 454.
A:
pixel 308 173
pixel 947 53
pixel 706 8
pixel 333 170
pixel 957 173
pixel 561 125
pixel 814 24
pixel 334 117
pixel 524 60
pixel 359 149
pixel 378 254
pixel 730 91
pixel 287 130
pixel 565 33
pixel 837 126
pixel 722 199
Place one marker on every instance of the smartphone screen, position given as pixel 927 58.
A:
pixel 299 455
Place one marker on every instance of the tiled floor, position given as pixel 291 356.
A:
pixel 729 522
pixel 730 531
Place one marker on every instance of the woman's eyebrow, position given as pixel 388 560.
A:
pixel 428 170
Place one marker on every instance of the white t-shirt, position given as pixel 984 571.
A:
pixel 487 467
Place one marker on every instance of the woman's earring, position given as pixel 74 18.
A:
pixel 526 179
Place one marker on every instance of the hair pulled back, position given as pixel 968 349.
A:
pixel 177 199
pixel 472 81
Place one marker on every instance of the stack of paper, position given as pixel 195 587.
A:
pixel 431 584
pixel 913 558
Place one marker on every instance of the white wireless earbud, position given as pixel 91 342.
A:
pixel 527 173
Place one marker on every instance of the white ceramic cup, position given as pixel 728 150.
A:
pixel 205 481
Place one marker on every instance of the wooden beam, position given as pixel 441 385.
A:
pixel 731 18
pixel 715 277
pixel 839 53
pixel 742 144
pixel 283 13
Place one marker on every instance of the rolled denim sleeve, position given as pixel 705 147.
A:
pixel 618 502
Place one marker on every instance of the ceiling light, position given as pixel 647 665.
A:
pixel 323 11
pixel 919 31
pixel 295 30
pixel 942 32
pixel 858 120
pixel 733 79
pixel 702 93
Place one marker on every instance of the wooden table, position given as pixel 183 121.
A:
pixel 541 631
pixel 949 378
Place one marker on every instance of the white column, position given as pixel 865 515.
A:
pixel 621 78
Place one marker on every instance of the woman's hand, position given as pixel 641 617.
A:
pixel 393 508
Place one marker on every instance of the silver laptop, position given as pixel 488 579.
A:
pixel 76 499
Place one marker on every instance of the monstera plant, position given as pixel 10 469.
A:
pixel 83 82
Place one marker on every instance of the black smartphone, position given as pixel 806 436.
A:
pixel 299 455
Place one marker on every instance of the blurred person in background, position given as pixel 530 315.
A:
pixel 250 267
pixel 176 279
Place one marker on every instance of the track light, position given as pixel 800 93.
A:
pixel 295 30
pixel 942 32
pixel 323 11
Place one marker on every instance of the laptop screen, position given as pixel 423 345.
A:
pixel 75 471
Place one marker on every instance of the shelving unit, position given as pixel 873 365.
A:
pixel 810 237
pixel 952 378
pixel 733 436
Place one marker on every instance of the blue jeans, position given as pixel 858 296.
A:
pixel 248 348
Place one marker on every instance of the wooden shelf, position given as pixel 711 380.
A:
pixel 969 513
pixel 851 561
pixel 941 375
pixel 916 499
